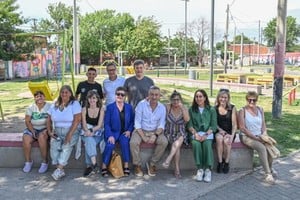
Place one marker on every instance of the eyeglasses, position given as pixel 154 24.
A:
pixel 120 94
pixel 252 100
pixel 175 99
pixel 199 96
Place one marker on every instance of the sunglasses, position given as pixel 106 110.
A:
pixel 120 94
pixel 223 90
pixel 252 100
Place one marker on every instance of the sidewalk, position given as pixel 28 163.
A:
pixel 15 185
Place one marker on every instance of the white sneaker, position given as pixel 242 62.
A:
pixel 207 176
pixel 269 179
pixel 27 167
pixel 58 174
pixel 199 176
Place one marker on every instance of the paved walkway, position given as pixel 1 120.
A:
pixel 15 185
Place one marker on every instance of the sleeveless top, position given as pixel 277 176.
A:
pixel 92 121
pixel 175 127
pixel 254 123
pixel 225 121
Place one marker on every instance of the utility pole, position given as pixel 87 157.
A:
pixel 169 57
pixel 212 35
pixel 279 58
pixel 76 48
pixel 185 33
pixel 225 39
pixel 258 44
pixel 242 50
pixel 234 35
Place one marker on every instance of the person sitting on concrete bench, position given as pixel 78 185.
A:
pixel 150 116
pixel 36 122
pixel 227 125
pixel 202 126
pixel 177 117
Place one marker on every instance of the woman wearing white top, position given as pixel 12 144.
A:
pixel 62 124
pixel 252 125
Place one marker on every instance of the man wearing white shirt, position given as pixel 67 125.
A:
pixel 111 83
pixel 149 124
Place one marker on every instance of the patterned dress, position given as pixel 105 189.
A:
pixel 175 127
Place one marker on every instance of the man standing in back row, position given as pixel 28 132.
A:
pixel 138 86
pixel 90 84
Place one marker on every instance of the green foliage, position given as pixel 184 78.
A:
pixel 292 32
pixel 10 46
pixel 178 42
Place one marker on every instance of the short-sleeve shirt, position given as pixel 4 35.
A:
pixel 64 118
pixel 38 117
pixel 83 88
pixel 137 89
pixel 109 88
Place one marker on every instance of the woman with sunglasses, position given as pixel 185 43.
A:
pixel 202 125
pixel 252 124
pixel 227 126
pixel 177 117
pixel 118 126
pixel 92 130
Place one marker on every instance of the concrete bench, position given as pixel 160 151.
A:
pixel 11 154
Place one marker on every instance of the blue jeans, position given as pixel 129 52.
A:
pixel 60 152
pixel 90 146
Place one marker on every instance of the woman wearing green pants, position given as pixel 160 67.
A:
pixel 202 125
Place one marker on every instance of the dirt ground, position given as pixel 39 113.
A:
pixel 12 124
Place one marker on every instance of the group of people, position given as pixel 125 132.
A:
pixel 142 118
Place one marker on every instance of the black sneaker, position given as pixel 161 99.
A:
pixel 226 168
pixel 219 167
pixel 96 169
pixel 88 171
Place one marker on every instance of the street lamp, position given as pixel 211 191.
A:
pixel 185 33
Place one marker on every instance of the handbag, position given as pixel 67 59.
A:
pixel 115 166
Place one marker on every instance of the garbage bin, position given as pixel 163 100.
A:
pixel 192 74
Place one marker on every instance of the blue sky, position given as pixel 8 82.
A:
pixel 245 14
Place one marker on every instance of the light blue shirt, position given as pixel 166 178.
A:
pixel 109 88
pixel 149 120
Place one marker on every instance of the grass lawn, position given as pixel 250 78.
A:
pixel 15 97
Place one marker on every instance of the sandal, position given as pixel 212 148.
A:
pixel 166 165
pixel 104 172
pixel 177 174
pixel 126 171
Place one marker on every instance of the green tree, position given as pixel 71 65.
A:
pixel 11 45
pixel 292 33
pixel 106 30
pixel 145 39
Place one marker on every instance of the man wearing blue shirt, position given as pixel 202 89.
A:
pixel 149 124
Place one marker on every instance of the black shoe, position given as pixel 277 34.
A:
pixel 104 172
pixel 95 168
pixel 126 171
pixel 219 167
pixel 88 171
pixel 226 168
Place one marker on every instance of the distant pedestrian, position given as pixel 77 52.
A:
pixel 252 125
pixel 202 126
pixel 87 85
pixel 227 126
pixel 111 83
pixel 138 86
pixel 176 119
